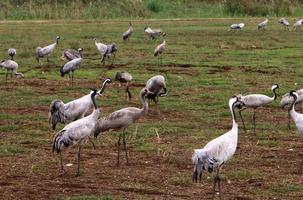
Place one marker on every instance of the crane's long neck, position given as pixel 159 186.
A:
pixel 95 114
pixel 233 115
pixel 275 94
pixel 292 107
pixel 144 104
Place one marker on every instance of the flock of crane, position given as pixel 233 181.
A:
pixel 82 125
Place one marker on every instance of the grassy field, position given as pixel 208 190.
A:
pixel 204 65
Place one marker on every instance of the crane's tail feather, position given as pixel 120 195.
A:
pixel 202 162
pixel 60 141
pixel 56 113
pixel 62 73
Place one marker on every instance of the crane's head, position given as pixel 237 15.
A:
pixel 114 47
pixel 236 102
pixel 105 82
pixel 275 86
pixel 293 94
pixel 80 49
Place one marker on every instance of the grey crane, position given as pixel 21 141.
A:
pixel 153 33
pixel 106 50
pixel 46 51
pixel 126 35
pixel 125 77
pixel 157 87
pixel 121 119
pixel 76 133
pixel 70 67
pixel 236 27
pixel 159 51
pixel 255 101
pixel 71 54
pixel 287 100
pixel 284 23
pixel 12 66
pixel 217 152
pixel 263 25
pixel 60 112
pixel 297 25
pixel 11 52
pixel 297 118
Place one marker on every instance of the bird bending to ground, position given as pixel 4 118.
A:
pixel 76 133
pixel 106 50
pixel 60 112
pixel 157 88
pixel 70 67
pixel 287 100
pixel 159 51
pixel 218 151
pixel 153 33
pixel 12 66
pixel 121 119
pixel 46 51
pixel 11 52
pixel 236 27
pixel 297 25
pixel 126 35
pixel 284 23
pixel 263 25
pixel 297 118
pixel 255 101
pixel 125 77
pixel 71 54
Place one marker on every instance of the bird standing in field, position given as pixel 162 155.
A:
pixel 12 66
pixel 46 51
pixel 121 119
pixel 11 52
pixel 263 25
pixel 153 33
pixel 284 23
pixel 297 118
pixel 157 88
pixel 159 51
pixel 76 133
pixel 106 50
pixel 71 54
pixel 60 112
pixel 297 25
pixel 236 27
pixel 218 151
pixel 70 67
pixel 126 35
pixel 287 99
pixel 125 77
pixel 255 101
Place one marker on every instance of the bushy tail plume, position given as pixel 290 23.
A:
pixel 56 113
pixel 60 141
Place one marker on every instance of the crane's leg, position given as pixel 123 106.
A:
pixel 102 60
pixel 72 78
pixel 113 58
pixel 125 148
pixel 217 181
pixel 61 164
pixel 78 170
pixel 6 76
pixel 47 59
pixel 254 120
pixel 128 92
pixel 240 113
pixel 118 144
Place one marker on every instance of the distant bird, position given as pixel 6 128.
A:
pixel 263 25
pixel 46 51
pixel 297 118
pixel 287 100
pixel 255 101
pixel 284 23
pixel 71 54
pixel 126 35
pixel 106 50
pixel 77 132
pixel 60 112
pixel 125 77
pixel 121 119
pixel 218 151
pixel 153 33
pixel 11 52
pixel 157 88
pixel 236 27
pixel 159 51
pixel 12 66
pixel 297 25
pixel 70 67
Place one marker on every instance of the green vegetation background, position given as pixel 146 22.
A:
pixel 121 9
